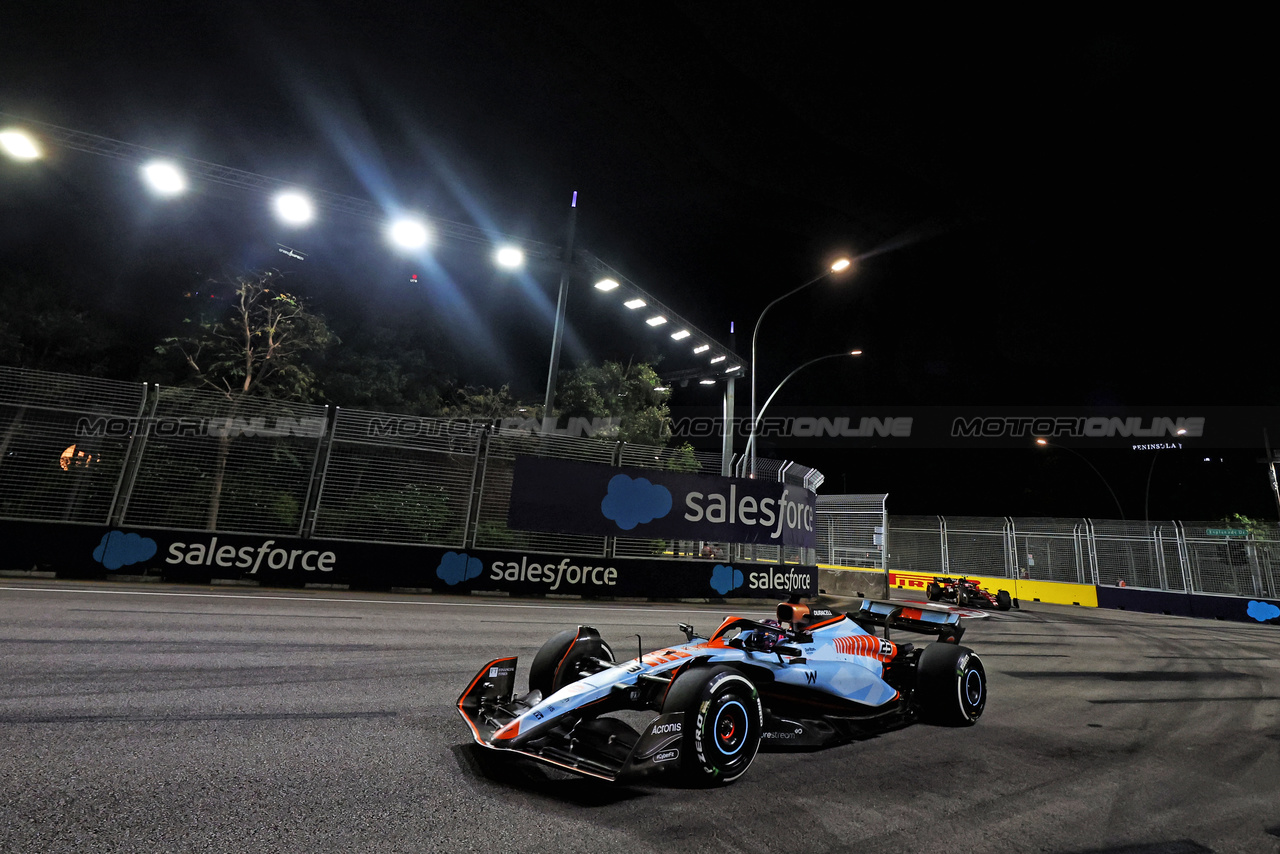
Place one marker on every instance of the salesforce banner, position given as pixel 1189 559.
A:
pixel 572 497
pixel 89 551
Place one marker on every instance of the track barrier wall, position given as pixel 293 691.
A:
pixel 156 463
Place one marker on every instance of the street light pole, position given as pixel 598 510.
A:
pixel 838 266
pixel 1046 443
pixel 751 443
pixel 557 335
pixel 1146 499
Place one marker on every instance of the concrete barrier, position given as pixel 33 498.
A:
pixel 853 581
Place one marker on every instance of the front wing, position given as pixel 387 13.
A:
pixel 489 703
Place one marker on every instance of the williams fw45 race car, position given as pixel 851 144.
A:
pixel 967 593
pixel 811 679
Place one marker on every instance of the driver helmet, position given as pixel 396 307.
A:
pixel 764 639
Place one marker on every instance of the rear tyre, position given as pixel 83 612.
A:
pixel 564 659
pixel 951 685
pixel 723 719
pixel 1003 601
pixel 933 591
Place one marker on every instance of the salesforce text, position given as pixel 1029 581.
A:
pixel 744 511
pixel 553 574
pixel 211 554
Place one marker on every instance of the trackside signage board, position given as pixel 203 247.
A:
pixel 572 497
pixel 88 551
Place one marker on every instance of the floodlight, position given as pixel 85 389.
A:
pixel 606 285
pixel 718 359
pixel 701 348
pixel 19 145
pixel 706 382
pixel 409 233
pixel 294 208
pixel 509 257
pixel 656 320
pixel 681 335
pixel 164 178
pixel 842 264
pixel 635 303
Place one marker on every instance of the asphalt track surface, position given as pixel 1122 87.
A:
pixel 150 718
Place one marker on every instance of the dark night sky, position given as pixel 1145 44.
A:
pixel 1052 207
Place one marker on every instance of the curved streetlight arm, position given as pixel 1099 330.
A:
pixel 1049 444
pixel 751 442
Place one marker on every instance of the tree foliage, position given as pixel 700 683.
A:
pixel 385 370
pixel 45 327
pixel 254 342
pixel 1256 527
pixel 624 392
pixel 483 404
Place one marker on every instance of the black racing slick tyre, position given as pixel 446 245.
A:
pixel 723 720
pixel 951 685
pixel 933 591
pixel 565 658
pixel 1003 601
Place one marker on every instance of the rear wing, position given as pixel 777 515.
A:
pixel 915 617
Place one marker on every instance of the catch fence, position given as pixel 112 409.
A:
pixel 78 449
pixel 1188 557
pixel 93 451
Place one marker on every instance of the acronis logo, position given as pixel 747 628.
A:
pixel 634 501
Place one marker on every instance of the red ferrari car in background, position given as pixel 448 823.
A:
pixel 967 593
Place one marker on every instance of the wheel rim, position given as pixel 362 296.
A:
pixel 973 688
pixel 731 727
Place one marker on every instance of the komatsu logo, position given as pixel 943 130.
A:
pixel 1076 426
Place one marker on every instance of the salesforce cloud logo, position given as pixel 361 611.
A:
pixel 1263 611
pixel 725 578
pixel 117 549
pixel 632 502
pixel 455 568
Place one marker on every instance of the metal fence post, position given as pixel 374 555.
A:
pixel 942 541
pixel 133 462
pixel 1011 548
pixel 141 426
pixel 1091 539
pixel 1184 558
pixel 324 445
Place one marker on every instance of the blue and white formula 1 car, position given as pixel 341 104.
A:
pixel 809 680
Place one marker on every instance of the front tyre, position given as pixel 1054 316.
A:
pixel 951 685
pixel 1003 601
pixel 565 658
pixel 723 720
pixel 933 591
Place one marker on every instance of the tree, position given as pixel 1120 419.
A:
pixel 386 369
pixel 481 404
pixel 255 342
pixel 628 393
pixel 47 327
